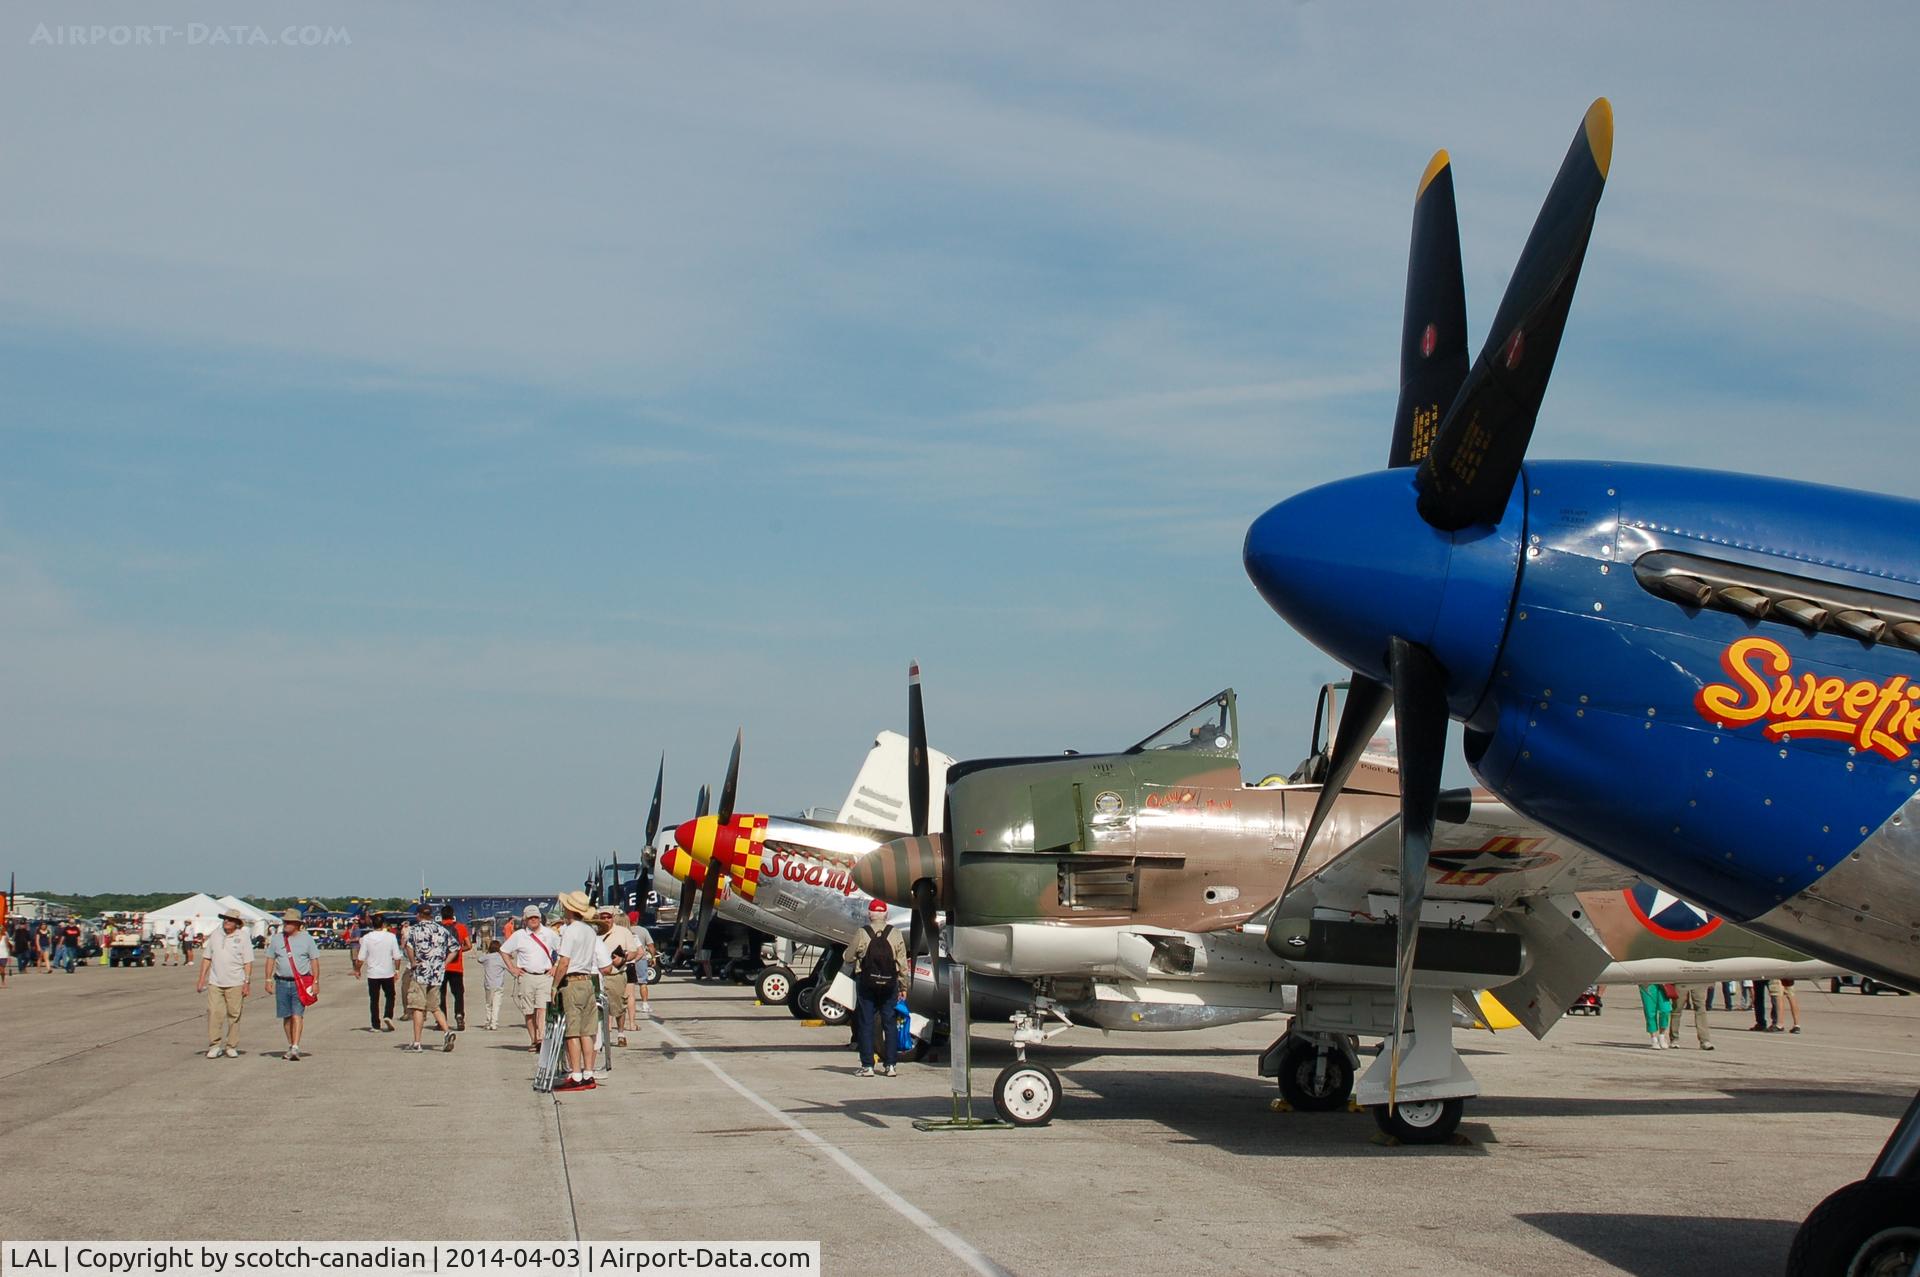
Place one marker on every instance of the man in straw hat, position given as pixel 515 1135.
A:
pixel 226 977
pixel 292 953
pixel 573 971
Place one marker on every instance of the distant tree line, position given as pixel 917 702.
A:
pixel 86 906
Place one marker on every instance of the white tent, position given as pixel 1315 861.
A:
pixel 200 912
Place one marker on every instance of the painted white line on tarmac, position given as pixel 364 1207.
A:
pixel 960 1247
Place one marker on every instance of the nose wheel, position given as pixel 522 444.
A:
pixel 1314 1078
pixel 1026 1094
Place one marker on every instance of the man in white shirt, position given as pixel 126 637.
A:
pixel 575 972
pixel 377 957
pixel 226 977
pixel 529 952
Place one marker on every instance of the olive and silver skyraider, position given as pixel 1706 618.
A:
pixel 1152 889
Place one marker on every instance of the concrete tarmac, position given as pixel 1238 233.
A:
pixel 1587 1153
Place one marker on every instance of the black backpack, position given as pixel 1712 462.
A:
pixel 879 974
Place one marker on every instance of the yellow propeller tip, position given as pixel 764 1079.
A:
pixel 1600 133
pixel 1439 161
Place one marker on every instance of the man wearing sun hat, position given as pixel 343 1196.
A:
pixel 292 953
pixel 877 961
pixel 226 977
pixel 529 952
pixel 575 969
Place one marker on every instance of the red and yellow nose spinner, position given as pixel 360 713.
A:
pixel 737 846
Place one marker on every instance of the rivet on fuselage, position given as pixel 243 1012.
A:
pixel 1526 753
pixel 1863 831
pixel 1767 801
pixel 1820 868
pixel 1533 552
pixel 1646 726
pixel 1783 753
pixel 1603 569
pixel 1709 773
pixel 1609 491
pixel 1523 616
pixel 1599 606
pixel 1583 698
pixel 1579 713
pixel 1650 711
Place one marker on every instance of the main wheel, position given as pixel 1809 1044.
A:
pixel 1026 1094
pixel 1420 1121
pixel 1870 1227
pixel 1869 986
pixel 774 986
pixel 831 1012
pixel 805 1002
pixel 1314 1081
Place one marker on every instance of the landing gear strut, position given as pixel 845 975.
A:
pixel 1027 1094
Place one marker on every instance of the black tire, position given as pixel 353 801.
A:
pixel 1420 1121
pixel 1833 985
pixel 1026 1094
pixel 1309 1087
pixel 1871 1227
pixel 921 1049
pixel 805 1002
pixel 1868 986
pixel 656 973
pixel 774 986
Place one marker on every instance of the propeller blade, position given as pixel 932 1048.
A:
pixel 1433 332
pixel 684 912
pixel 1476 457
pixel 1420 716
pixel 1367 703
pixel 919 783
pixel 732 785
pixel 706 802
pixel 923 931
pixel 653 812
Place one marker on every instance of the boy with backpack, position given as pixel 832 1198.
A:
pixel 877 960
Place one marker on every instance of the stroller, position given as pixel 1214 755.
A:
pixel 1587 1003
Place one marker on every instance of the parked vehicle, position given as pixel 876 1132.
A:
pixel 1866 984
pixel 129 939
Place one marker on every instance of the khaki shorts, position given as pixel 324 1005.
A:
pixel 422 997
pixel 577 1003
pixel 616 986
pixel 531 993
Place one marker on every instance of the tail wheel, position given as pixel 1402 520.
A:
pixel 1870 1227
pixel 1420 1121
pixel 1026 1094
pixel 1315 1081
pixel 774 986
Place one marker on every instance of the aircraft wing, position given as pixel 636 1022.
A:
pixel 1497 857
pixel 1495 869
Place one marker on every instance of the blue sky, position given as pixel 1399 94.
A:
pixel 408 439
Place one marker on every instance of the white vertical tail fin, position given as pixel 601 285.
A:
pixel 879 794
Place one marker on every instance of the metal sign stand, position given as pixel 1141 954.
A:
pixel 960 1050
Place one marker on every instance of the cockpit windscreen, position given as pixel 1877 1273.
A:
pixel 1208 726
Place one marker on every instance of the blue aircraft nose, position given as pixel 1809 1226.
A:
pixel 1352 563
